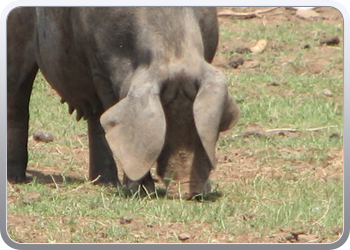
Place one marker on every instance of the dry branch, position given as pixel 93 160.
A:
pixel 247 15
pixel 289 130
pixel 298 130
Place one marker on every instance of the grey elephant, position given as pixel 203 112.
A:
pixel 140 76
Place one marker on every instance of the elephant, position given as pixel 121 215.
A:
pixel 140 76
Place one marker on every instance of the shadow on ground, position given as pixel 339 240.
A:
pixel 120 190
pixel 51 178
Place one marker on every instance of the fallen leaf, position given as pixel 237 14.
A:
pixel 259 46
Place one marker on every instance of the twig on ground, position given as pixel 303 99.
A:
pixel 10 186
pixel 58 150
pixel 54 181
pixel 247 15
pixel 81 142
pixel 83 185
pixel 326 212
pixel 290 130
pixel 298 130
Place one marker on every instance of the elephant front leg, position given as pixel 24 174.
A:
pixel 102 164
pixel 21 71
pixel 19 86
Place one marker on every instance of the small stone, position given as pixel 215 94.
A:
pixel 82 135
pixel 235 62
pixel 184 236
pixel 296 233
pixel 274 84
pixel 327 92
pixel 304 238
pixel 125 220
pixel 289 237
pixel 330 40
pixel 334 136
pixel 306 13
pixel 337 229
pixel 43 136
pixel 242 50
pixel 30 198
pixel 250 64
pixel 248 216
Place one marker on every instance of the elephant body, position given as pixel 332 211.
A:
pixel 140 76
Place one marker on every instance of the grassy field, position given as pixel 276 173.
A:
pixel 279 176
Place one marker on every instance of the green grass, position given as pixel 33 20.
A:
pixel 273 185
pixel 258 205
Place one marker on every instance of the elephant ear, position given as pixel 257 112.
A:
pixel 214 110
pixel 135 129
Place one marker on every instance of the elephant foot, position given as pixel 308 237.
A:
pixel 143 187
pixel 16 178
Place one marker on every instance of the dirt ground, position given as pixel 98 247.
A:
pixel 332 168
pixel 329 16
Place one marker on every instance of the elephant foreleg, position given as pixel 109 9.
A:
pixel 19 86
pixel 102 164
pixel 21 71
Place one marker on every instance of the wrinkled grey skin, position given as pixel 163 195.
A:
pixel 142 79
